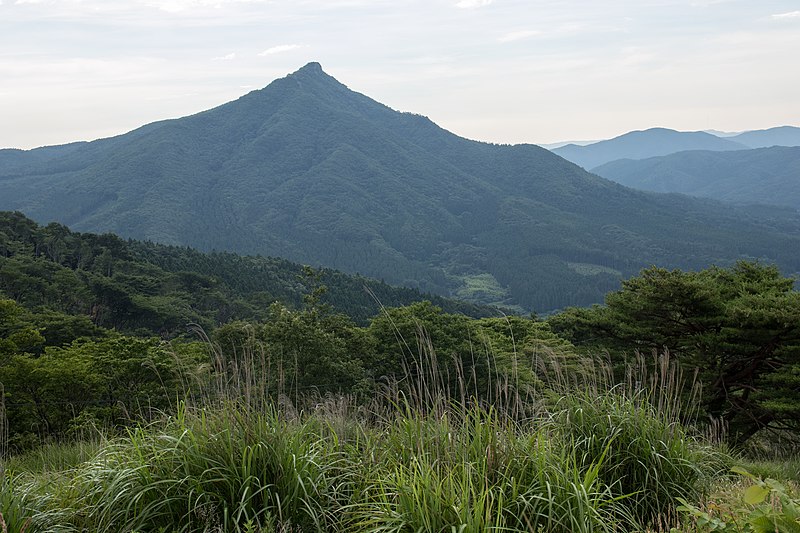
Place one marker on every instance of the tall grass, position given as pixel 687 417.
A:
pixel 225 470
pixel 648 459
pixel 237 470
pixel 422 456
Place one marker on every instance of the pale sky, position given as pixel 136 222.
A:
pixel 505 71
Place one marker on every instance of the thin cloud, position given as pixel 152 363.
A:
pixel 472 4
pixel 428 60
pixel 279 49
pixel 789 15
pixel 177 6
pixel 518 35
pixel 226 57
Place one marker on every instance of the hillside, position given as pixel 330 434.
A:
pixel 764 176
pixel 140 287
pixel 309 170
pixel 644 144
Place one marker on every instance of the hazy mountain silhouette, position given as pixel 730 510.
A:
pixel 644 144
pixel 780 136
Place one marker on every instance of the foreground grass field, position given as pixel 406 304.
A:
pixel 581 456
pixel 606 463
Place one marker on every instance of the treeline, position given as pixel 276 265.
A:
pixel 736 330
pixel 111 380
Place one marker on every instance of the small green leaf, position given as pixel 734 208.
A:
pixel 742 472
pixel 755 494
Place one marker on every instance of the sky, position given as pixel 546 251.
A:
pixel 503 71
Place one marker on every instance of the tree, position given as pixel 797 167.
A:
pixel 739 328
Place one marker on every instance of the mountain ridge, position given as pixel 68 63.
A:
pixel 641 144
pixel 654 142
pixel 778 136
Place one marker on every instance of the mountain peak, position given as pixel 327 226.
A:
pixel 312 72
pixel 312 67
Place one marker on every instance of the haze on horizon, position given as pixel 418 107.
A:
pixel 505 71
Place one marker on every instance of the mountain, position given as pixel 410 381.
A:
pixel 780 136
pixel 723 134
pixel 309 170
pixel 764 175
pixel 553 146
pixel 643 144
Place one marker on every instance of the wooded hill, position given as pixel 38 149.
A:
pixel 311 171
pixel 77 284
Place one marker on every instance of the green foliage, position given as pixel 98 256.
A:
pixel 14 517
pixel 104 282
pixel 234 468
pixel 766 506
pixel 737 328
pixel 108 383
pixel 229 470
pixel 243 454
pixel 648 457
pixel 485 358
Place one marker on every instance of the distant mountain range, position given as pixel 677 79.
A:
pixel 661 141
pixel 763 175
pixel 780 136
pixel 309 170
pixel 643 144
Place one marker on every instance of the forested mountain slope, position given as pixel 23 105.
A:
pixel 88 281
pixel 309 170
pixel 765 175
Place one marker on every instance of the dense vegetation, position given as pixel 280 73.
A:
pixel 764 176
pixel 84 321
pixel 287 415
pixel 599 461
pixel 738 329
pixel 122 321
pixel 308 170
pixel 83 280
